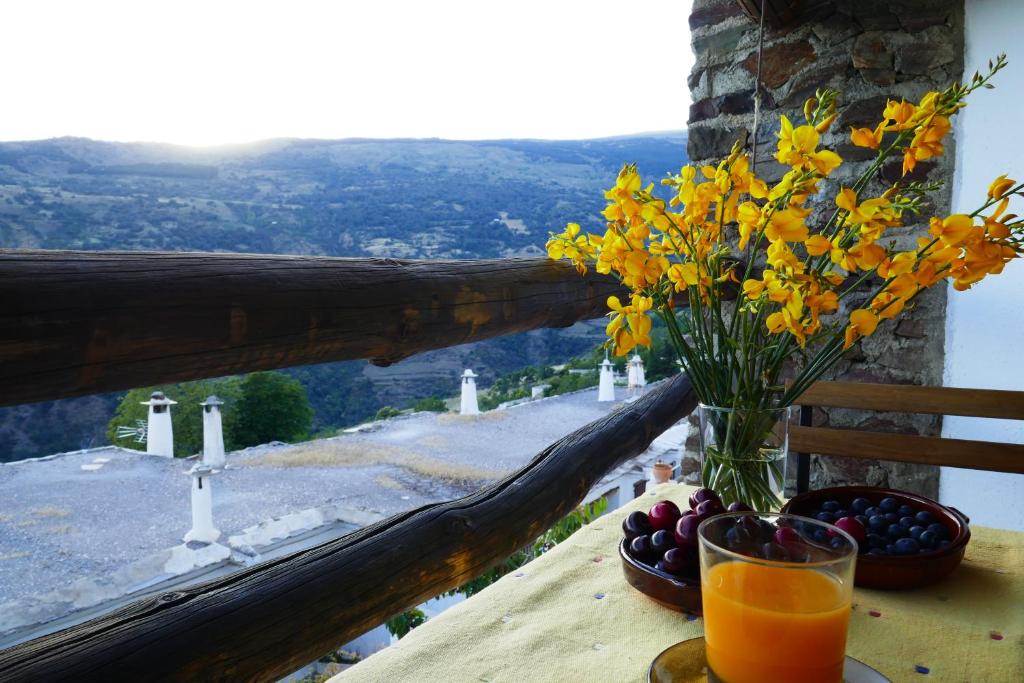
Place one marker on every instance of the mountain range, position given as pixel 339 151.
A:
pixel 422 198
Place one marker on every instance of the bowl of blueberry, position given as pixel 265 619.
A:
pixel 659 549
pixel 905 540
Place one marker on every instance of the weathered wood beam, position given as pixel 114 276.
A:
pixel 75 323
pixel 777 13
pixel 909 398
pixel 920 450
pixel 269 620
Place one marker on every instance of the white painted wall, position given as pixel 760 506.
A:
pixel 985 325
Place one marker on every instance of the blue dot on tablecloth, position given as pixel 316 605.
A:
pixel 921 669
pixel 691 617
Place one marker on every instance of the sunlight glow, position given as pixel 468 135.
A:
pixel 221 71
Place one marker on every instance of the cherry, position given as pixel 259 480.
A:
pixel 701 495
pixel 663 515
pixel 786 536
pixel 709 508
pixel 739 507
pixel 686 530
pixel 636 524
pixel 851 526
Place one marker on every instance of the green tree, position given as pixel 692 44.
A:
pixel 434 405
pixel 272 406
pixel 186 417
pixel 386 412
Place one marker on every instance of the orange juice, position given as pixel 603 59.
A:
pixel 767 624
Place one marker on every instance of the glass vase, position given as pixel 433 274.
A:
pixel 743 454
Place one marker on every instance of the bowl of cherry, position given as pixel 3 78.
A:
pixel 904 540
pixel 659 549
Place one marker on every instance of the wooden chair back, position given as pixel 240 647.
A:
pixel 927 450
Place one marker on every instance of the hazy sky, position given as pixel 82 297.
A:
pixel 220 71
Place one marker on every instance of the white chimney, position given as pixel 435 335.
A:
pixel 637 378
pixel 606 384
pixel 159 433
pixel 202 529
pixel 469 405
pixel 213 433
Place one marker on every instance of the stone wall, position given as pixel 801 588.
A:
pixel 869 50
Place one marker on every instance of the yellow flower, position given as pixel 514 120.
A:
pixel 817 245
pixel 865 137
pixel 952 230
pixel 748 217
pixel 826 302
pixel 753 289
pixel 783 321
pixel 683 275
pixel 797 147
pixel 999 186
pixel 887 305
pixel 900 114
pixel 781 257
pixel 787 225
pixel 899 264
pixel 862 324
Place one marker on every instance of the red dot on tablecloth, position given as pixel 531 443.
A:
pixel 598 558
pixel 874 613
pixel 995 635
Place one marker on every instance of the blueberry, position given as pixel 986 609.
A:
pixel 907 546
pixel 924 517
pixel 877 523
pixel 737 537
pixel 939 530
pixel 907 522
pixel 774 551
pixel 860 505
pixel 840 513
pixel 873 510
pixel 830 506
pixel 661 541
pixel 889 505
pixel 891 518
pixel 916 531
pixel 820 535
pixel 877 551
pixel 825 516
pixel 890 549
pixel 943 544
pixel 905 511
pixel 928 539
pixel 837 543
pixel 875 541
pixel 765 530
pixel 862 519
pixel 896 531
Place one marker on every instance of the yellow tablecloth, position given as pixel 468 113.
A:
pixel 570 616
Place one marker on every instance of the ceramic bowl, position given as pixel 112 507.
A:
pixel 897 572
pixel 679 593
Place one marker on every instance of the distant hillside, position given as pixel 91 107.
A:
pixel 397 198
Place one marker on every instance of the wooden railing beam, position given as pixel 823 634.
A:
pixel 76 323
pixel 264 622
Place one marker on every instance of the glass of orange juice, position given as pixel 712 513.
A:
pixel 777 593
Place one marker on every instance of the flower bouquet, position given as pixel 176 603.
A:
pixel 770 295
